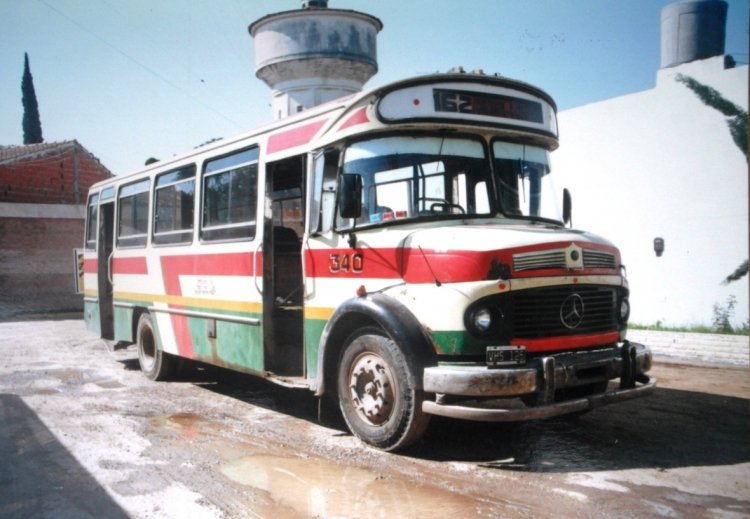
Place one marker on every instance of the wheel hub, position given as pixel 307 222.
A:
pixel 371 388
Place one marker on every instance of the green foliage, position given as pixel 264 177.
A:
pixel 723 315
pixel 32 125
pixel 721 323
pixel 694 328
pixel 738 274
pixel 737 121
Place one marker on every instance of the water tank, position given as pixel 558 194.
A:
pixel 315 54
pixel 692 30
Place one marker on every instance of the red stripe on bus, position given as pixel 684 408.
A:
pixel 417 265
pixel 135 265
pixel 411 265
pixel 358 117
pixel 90 266
pixel 234 264
pixel 567 343
pixel 231 264
pixel 294 137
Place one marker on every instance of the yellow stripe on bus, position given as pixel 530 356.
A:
pixel 320 313
pixel 212 304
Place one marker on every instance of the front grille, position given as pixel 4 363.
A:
pixel 556 259
pixel 598 259
pixel 551 259
pixel 561 311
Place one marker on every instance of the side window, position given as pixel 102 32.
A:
pixel 91 222
pixel 230 196
pixel 132 223
pixel 174 199
pixel 323 191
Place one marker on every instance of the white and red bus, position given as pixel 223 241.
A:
pixel 399 252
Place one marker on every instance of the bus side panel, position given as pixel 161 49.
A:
pixel 240 345
pixel 164 332
pixel 91 316
pixel 313 330
pixel 123 324
pixel 204 345
pixel 232 345
pixel 213 341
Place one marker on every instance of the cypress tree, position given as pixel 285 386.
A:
pixel 32 125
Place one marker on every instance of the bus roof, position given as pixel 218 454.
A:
pixel 325 122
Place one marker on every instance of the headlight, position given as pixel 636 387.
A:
pixel 482 320
pixel 624 310
pixel 485 319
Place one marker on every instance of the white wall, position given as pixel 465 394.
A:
pixel 661 163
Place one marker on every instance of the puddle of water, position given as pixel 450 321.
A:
pixel 322 489
pixel 187 423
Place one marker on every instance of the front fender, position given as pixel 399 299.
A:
pixel 388 314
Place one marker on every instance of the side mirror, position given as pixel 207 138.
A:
pixel 350 195
pixel 567 208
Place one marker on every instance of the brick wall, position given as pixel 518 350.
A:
pixel 36 260
pixel 43 189
pixel 58 176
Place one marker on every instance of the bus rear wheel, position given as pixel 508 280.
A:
pixel 377 392
pixel 155 364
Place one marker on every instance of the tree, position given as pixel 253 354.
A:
pixel 737 122
pixel 737 117
pixel 32 125
pixel 738 274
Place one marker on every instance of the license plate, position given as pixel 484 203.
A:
pixel 498 356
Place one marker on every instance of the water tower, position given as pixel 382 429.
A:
pixel 692 30
pixel 315 54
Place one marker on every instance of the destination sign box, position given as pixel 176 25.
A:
pixel 474 103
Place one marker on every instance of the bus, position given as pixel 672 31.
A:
pixel 400 252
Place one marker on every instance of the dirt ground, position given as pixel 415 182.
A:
pixel 84 435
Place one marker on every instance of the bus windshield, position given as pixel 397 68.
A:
pixel 409 177
pixel 522 179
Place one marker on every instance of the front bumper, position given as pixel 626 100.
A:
pixel 540 382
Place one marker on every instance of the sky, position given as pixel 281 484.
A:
pixel 133 79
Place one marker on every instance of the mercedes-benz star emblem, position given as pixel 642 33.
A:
pixel 571 311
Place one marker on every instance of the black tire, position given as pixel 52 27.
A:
pixel 377 392
pixel 155 364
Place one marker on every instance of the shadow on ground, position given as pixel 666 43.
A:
pixel 40 478
pixel 668 429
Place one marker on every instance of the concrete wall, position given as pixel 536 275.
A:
pixel 662 163
pixel 36 258
pixel 695 347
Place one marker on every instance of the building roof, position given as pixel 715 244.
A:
pixel 14 154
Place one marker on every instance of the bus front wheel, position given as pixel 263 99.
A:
pixel 155 364
pixel 377 392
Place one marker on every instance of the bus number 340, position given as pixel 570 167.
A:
pixel 346 263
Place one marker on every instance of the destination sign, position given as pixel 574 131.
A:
pixel 493 105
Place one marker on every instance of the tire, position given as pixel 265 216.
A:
pixel 155 364
pixel 377 392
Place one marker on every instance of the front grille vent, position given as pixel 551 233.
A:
pixel 556 259
pixel 598 259
pixel 550 259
